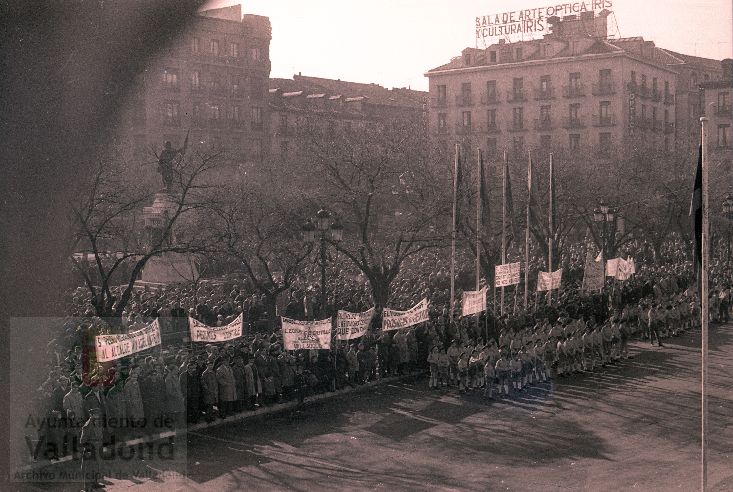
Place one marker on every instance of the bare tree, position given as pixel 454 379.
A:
pixel 379 180
pixel 108 223
pixel 261 232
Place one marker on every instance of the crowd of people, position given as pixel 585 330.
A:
pixel 502 352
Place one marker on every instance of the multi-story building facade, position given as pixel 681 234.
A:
pixel 211 82
pixel 296 103
pixel 717 105
pixel 573 89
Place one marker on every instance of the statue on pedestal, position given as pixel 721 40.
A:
pixel 165 164
pixel 167 160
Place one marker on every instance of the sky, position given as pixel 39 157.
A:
pixel 394 42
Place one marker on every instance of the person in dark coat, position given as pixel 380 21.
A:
pixel 209 390
pixel 238 371
pixel 190 382
pixel 92 440
pixel 227 388
pixel 152 390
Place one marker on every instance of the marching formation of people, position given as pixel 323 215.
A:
pixel 179 384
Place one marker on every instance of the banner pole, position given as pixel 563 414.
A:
pixel 479 218
pixel 453 237
pixel 550 231
pixel 503 224
pixel 705 309
pixel 526 231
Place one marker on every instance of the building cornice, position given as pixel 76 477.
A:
pixel 530 63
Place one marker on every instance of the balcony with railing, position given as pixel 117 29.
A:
pixel 171 121
pixel 543 124
pixel 236 123
pixel 462 129
pixel 573 123
pixel 723 111
pixel 438 102
pixel 516 95
pixel 572 91
pixel 604 120
pixel 545 94
pixel 487 98
pixel 490 128
pixel 606 88
pixel 285 130
pixel 643 123
pixel 257 125
pixel 218 123
pixel 517 126
pixel 464 100
pixel 199 122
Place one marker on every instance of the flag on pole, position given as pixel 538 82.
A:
pixel 483 191
pixel 696 209
pixel 510 232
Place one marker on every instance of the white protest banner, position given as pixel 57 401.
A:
pixel 593 275
pixel 112 347
pixel 473 302
pixel 311 335
pixel 396 320
pixel 612 267
pixel 506 274
pixel 549 281
pixel 204 333
pixel 352 325
pixel 626 268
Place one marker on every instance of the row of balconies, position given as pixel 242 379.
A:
pixel 568 92
pixel 216 123
pixel 651 93
pixel 724 111
pixel 540 124
pixel 656 126
pixel 549 124
pixel 515 96
pixel 236 91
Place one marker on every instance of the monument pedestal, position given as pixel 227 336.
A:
pixel 168 267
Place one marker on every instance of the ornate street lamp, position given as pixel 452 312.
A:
pixel 317 232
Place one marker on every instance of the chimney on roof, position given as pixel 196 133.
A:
pixel 587 24
pixel 727 65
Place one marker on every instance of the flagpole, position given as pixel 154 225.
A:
pixel 526 232
pixel 453 238
pixel 479 204
pixel 550 230
pixel 503 224
pixel 704 302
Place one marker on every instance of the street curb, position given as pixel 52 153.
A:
pixel 246 415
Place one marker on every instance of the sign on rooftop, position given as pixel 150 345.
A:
pixel 516 24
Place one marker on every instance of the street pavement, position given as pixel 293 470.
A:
pixel 632 426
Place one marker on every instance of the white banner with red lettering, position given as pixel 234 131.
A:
pixel 549 281
pixel 352 325
pixel 311 335
pixel 112 347
pixel 626 269
pixel 620 268
pixel 396 320
pixel 201 332
pixel 473 302
pixel 507 274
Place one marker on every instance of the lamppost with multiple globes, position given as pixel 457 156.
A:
pixel 607 218
pixel 320 230
pixel 728 211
